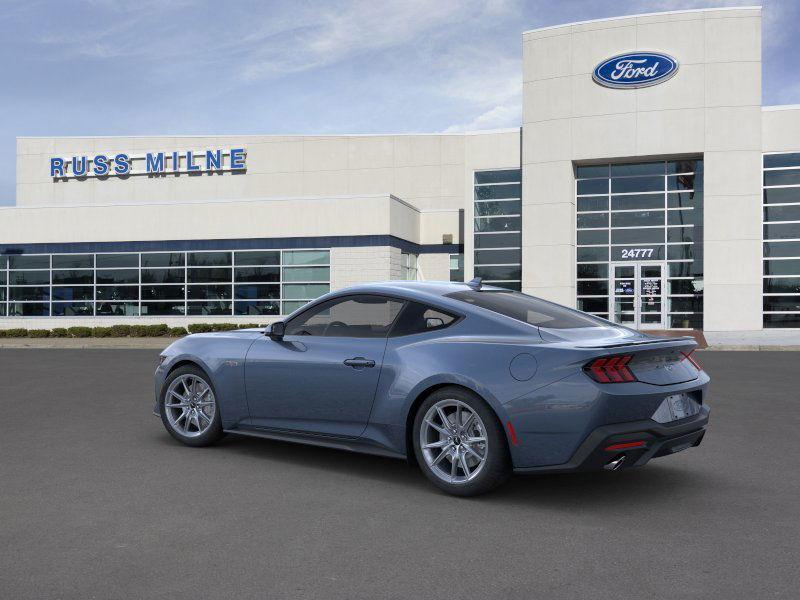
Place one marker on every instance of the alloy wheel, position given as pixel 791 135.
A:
pixel 453 441
pixel 189 405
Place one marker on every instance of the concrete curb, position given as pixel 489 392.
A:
pixel 87 343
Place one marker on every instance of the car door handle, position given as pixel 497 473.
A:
pixel 359 362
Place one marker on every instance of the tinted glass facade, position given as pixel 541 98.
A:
pixel 647 212
pixel 781 301
pixel 208 283
pixel 497 227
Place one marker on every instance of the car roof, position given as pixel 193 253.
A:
pixel 430 290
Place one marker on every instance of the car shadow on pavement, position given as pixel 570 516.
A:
pixel 598 489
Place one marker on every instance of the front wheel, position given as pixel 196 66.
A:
pixel 460 444
pixel 189 408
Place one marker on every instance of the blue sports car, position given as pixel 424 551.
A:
pixel 470 381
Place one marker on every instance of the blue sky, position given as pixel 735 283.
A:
pixel 105 67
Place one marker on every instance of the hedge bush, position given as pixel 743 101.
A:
pixel 200 327
pixel 101 332
pixel 80 332
pixel 176 331
pixel 120 330
pixel 59 332
pixel 17 332
pixel 38 333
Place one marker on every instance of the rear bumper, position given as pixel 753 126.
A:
pixel 659 440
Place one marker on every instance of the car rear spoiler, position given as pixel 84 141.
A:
pixel 676 341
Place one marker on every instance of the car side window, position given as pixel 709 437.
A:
pixel 363 316
pixel 419 318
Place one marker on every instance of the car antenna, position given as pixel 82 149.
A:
pixel 475 284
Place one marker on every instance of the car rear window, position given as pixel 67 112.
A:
pixel 527 309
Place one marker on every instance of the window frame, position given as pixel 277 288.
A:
pixel 344 298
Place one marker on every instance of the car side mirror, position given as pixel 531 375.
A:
pixel 277 330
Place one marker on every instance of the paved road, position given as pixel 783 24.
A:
pixel 97 501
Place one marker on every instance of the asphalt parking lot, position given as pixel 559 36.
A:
pixel 97 501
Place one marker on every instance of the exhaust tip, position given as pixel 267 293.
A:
pixel 614 463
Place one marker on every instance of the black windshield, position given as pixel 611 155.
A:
pixel 528 309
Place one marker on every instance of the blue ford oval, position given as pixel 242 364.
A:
pixel 472 382
pixel 635 70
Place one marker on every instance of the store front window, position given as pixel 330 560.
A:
pixel 497 227
pixel 640 243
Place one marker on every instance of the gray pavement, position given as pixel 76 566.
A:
pixel 97 501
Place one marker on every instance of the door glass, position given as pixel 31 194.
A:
pixel 650 295
pixel 624 294
pixel 352 316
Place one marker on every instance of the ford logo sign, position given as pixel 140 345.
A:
pixel 635 70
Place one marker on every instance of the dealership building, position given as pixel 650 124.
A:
pixel 646 184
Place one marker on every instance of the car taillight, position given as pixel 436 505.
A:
pixel 610 369
pixel 688 356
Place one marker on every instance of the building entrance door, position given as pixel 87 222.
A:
pixel 637 298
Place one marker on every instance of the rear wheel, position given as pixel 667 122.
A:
pixel 459 443
pixel 189 408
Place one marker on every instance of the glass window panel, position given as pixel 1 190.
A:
pixel 257 273
pixel 2 294
pixel 3 308
pixel 593 288
pixel 680 252
pixel 636 184
pixel 117 309
pixel 684 199
pixel 209 259
pixel 29 261
pixel 29 277
pixel 84 292
pixel 73 277
pixel 118 276
pixel 589 254
pixel 498 257
pixel 163 275
pixel 2 277
pixel 498 224
pixel 73 309
pixel 694 304
pixel 782 267
pixel 255 291
pixel 290 307
pixel 355 316
pixel 306 273
pixel 781 249
pixel 498 240
pixel 637 236
pixel 488 209
pixel 592 271
pixel 588 171
pixel 788 177
pixel 782 195
pixel 220 307
pixel 29 293
pixel 681 269
pixel 162 292
pixel 684 166
pixel 490 273
pixel 164 259
pixel 304 291
pixel 257 308
pixel 117 292
pixel 500 176
pixel 165 309
pixel 267 257
pixel 684 217
pixel 592 186
pixel 73 261
pixel 306 257
pixel 788 320
pixel 3 262
pixel 789 159
pixel 114 261
pixel 596 203
pixel 680 234
pixel 495 192
pixel 686 321
pixel 782 285
pixel 685 286
pixel 782 231
pixel 637 219
pixel 592 220
pixel 782 213
pixel 208 292
pixel 592 236
pixel 28 309
pixel 593 305
pixel 648 168
pixel 637 202
pixel 684 182
pixel 515 286
pixel 214 275
pixel 782 303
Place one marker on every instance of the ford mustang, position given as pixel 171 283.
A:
pixel 470 381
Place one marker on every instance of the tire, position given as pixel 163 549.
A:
pixel 192 416
pixel 480 466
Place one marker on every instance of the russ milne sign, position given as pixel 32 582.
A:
pixel 151 163
pixel 635 70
